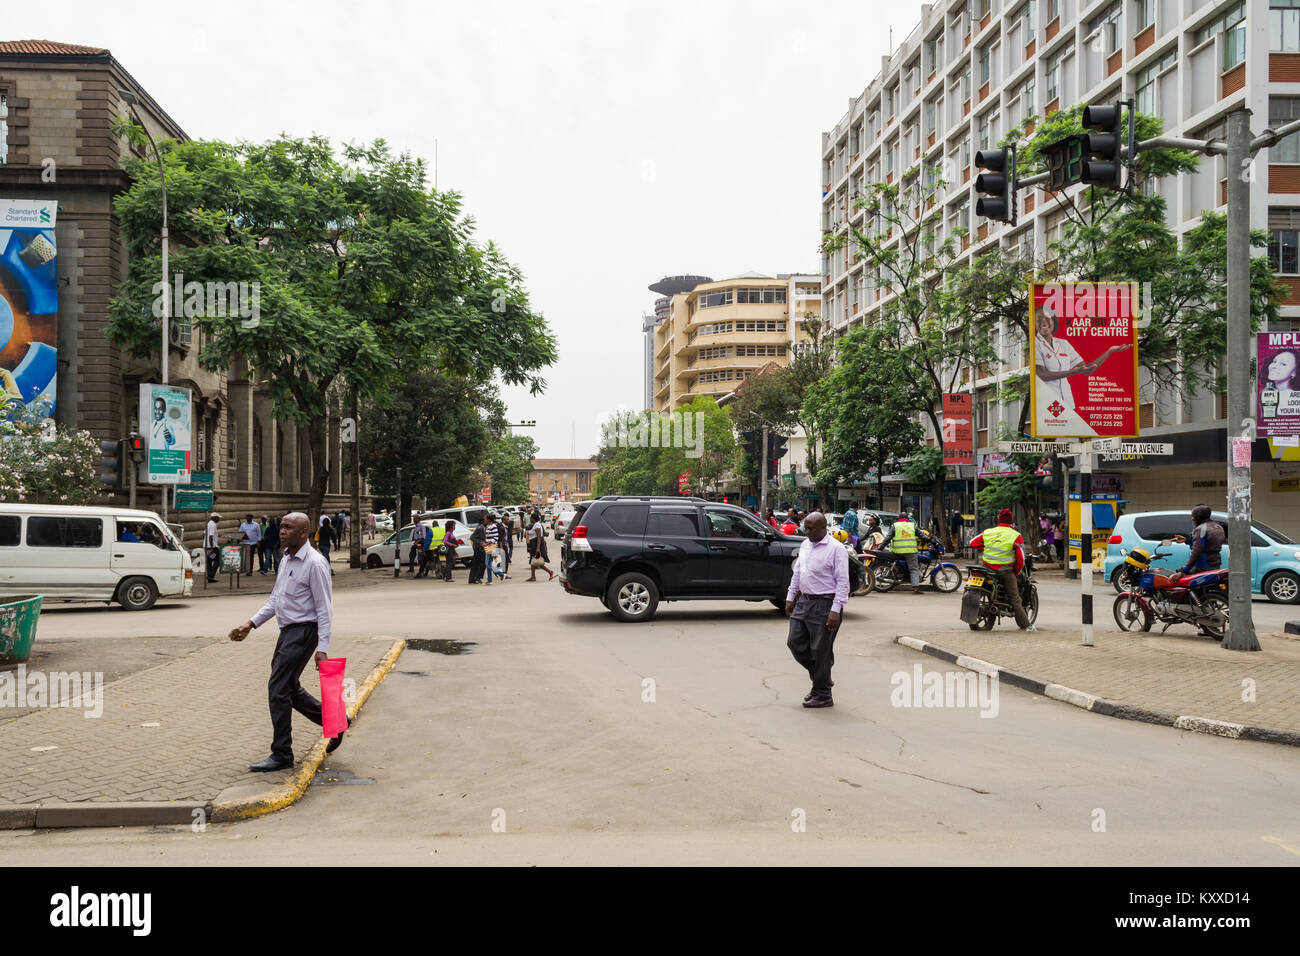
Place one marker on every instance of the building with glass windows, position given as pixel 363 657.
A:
pixel 973 69
pixel 718 333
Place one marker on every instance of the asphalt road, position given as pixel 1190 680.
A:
pixel 542 743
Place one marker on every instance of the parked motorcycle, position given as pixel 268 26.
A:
pixel 862 579
pixel 890 569
pixel 1171 597
pixel 986 601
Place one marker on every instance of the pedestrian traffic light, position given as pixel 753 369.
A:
pixel 1102 163
pixel 112 463
pixel 998 185
pixel 135 448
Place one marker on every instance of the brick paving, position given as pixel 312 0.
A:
pixel 210 707
pixel 1177 673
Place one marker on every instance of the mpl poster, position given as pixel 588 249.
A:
pixel 29 303
pixel 1085 381
pixel 1278 384
pixel 165 425
pixel 958 430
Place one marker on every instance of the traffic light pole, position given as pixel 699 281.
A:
pixel 762 482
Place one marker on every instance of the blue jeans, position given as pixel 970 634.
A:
pixel 492 566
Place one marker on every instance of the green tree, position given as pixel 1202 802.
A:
pixel 510 462
pixel 42 462
pixel 438 428
pixel 623 467
pixel 715 451
pixel 871 422
pixel 360 269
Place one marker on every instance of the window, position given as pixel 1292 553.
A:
pixel 1282 251
pixel 9 530
pixel 1028 17
pixel 1028 103
pixel 671 524
pixel 1144 14
pixel 1147 101
pixel 978 9
pixel 720 351
pixel 143 532
pixel 931 54
pixel 1284 26
pixel 1051 78
pixel 1282 110
pixel 1233 26
pixel 761 296
pixel 43 532
pixel 728 524
pixel 985 63
pixel 1160 527
pixel 1108 25
pixel 965 86
pixel 1053 10
pixel 715 328
pixel 709 300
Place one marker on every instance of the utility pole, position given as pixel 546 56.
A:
pixel 355 504
pixel 397 541
pixel 762 481
pixel 1241 416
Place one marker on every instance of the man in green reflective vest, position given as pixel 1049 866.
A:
pixel 1003 553
pixel 902 541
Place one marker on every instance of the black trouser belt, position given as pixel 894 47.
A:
pixel 817 596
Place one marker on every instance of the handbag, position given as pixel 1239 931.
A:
pixel 537 562
pixel 490 548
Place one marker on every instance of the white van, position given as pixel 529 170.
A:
pixel 63 552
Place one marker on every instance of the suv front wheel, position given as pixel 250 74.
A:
pixel 632 597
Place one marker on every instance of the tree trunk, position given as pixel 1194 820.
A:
pixel 321 472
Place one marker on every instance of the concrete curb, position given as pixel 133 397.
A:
pixel 289 791
pixel 57 814
pixel 1100 705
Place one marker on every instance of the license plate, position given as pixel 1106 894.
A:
pixel 976 580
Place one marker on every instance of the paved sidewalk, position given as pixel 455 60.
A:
pixel 1176 674
pixel 183 732
pixel 344 577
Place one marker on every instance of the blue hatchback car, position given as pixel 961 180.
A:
pixel 1274 557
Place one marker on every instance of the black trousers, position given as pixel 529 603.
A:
pixel 478 564
pixel 812 642
pixel 213 562
pixel 295 647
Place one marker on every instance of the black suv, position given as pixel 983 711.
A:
pixel 633 552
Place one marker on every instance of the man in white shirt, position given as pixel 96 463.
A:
pixel 302 604
pixel 211 550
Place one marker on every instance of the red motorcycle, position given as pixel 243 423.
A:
pixel 1172 597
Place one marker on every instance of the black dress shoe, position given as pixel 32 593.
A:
pixel 271 763
pixel 819 702
pixel 333 745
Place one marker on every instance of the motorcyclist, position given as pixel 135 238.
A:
pixel 871 536
pixel 1207 542
pixel 1002 551
pixel 901 540
pixel 850 522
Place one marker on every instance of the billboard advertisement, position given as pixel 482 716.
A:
pixel 165 425
pixel 1278 384
pixel 1085 381
pixel 29 302
pixel 958 430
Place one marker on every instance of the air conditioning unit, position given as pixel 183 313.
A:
pixel 179 333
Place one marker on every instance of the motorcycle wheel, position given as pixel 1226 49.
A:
pixel 985 623
pixel 1214 602
pixel 946 580
pixel 867 583
pixel 1032 608
pixel 885 579
pixel 1129 614
pixel 1120 579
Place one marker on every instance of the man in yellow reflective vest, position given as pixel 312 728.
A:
pixel 1003 553
pixel 901 540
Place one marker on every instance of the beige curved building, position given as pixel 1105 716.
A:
pixel 721 332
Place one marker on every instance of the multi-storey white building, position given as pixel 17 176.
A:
pixel 972 69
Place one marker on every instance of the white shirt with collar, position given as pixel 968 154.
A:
pixel 210 536
pixel 303 592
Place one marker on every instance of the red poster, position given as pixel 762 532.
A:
pixel 1085 359
pixel 958 430
pixel 682 479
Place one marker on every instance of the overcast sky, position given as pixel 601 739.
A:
pixel 602 145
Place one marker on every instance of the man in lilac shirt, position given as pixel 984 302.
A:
pixel 302 604
pixel 819 589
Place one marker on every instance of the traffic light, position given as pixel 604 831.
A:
pixel 998 185
pixel 1064 163
pixel 1102 163
pixel 135 448
pixel 750 442
pixel 776 449
pixel 112 463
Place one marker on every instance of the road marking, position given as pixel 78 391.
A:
pixel 1276 842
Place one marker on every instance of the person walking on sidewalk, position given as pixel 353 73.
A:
pixel 1003 553
pixel 251 542
pixel 449 544
pixel 211 550
pixel 478 538
pixel 492 547
pixel 537 557
pixel 819 589
pixel 325 539
pixel 272 542
pixel 302 603
pixel 901 540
